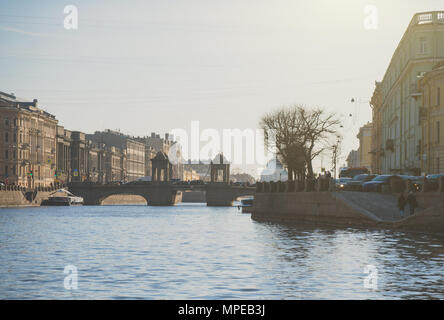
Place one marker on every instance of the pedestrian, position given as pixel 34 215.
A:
pixel 411 200
pixel 401 204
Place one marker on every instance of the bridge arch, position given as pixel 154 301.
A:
pixel 124 198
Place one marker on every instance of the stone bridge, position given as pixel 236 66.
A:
pixel 160 193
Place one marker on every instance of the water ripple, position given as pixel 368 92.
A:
pixel 197 252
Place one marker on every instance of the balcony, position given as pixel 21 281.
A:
pixel 425 18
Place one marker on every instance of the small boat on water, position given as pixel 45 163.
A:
pixel 62 197
pixel 247 205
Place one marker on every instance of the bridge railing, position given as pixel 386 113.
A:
pixel 296 186
pixel 319 185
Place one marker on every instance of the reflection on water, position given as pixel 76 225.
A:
pixel 194 252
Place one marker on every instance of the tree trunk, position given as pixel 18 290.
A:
pixel 290 174
pixel 310 169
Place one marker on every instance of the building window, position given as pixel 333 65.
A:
pixel 6 137
pixel 6 154
pixel 7 122
pixel 438 96
pixel 6 171
pixel 422 45
pixel 437 132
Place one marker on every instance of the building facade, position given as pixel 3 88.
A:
pixel 79 157
pixel 365 146
pixel 432 120
pixel 133 150
pixel 201 168
pixel 27 143
pixel 115 165
pixel 150 153
pixel 96 153
pixel 398 101
pixel 190 175
pixel 353 159
pixel 63 173
pixel 377 147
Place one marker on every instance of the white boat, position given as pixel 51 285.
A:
pixel 62 197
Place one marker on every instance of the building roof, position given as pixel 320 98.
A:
pixel 10 100
pixel 220 159
pixel 161 156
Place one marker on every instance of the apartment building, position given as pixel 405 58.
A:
pixel 133 150
pixel 432 120
pixel 397 98
pixel 365 146
pixel 27 143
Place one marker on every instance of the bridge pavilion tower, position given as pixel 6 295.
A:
pixel 162 169
pixel 220 169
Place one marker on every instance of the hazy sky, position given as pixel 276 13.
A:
pixel 145 66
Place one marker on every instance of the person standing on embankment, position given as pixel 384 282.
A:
pixel 401 204
pixel 411 200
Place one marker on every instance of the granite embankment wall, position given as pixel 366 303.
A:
pixel 14 196
pixel 310 207
pixel 322 205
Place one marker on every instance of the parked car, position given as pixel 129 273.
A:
pixel 197 182
pixel 432 179
pixel 356 183
pixel 341 183
pixel 181 183
pixel 352 172
pixel 379 181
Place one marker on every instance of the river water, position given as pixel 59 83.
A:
pixel 191 251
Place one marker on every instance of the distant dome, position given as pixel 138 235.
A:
pixel 274 164
pixel 274 171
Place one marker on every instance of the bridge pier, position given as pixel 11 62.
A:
pixel 223 194
pixel 164 197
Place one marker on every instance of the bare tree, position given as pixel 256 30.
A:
pixel 318 127
pixel 281 128
pixel 298 135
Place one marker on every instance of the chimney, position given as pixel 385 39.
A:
pixel 221 157
pixel 35 102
